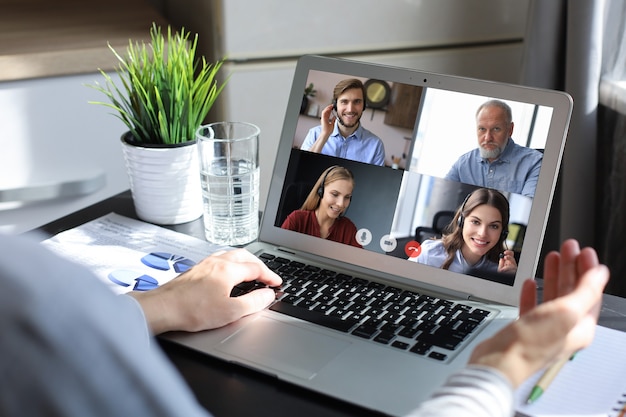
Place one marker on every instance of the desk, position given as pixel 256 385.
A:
pixel 229 390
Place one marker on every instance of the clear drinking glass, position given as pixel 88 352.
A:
pixel 229 171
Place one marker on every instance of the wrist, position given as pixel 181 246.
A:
pixel 156 309
pixel 504 356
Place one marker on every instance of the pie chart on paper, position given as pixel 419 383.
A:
pixel 163 261
pixel 134 279
pixel 160 261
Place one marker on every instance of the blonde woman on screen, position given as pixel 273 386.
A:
pixel 323 212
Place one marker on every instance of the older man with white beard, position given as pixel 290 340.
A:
pixel 498 162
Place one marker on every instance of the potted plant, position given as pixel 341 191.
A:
pixel 165 94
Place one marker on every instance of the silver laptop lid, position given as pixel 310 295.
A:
pixel 426 121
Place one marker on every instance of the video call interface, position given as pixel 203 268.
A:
pixel 397 206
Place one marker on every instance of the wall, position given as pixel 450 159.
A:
pixel 53 141
pixel 263 41
pixel 257 93
pixel 611 186
pixel 50 134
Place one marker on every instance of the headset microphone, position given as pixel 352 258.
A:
pixel 461 219
pixel 320 190
pixel 505 245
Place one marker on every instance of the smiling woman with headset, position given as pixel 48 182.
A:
pixel 323 212
pixel 475 240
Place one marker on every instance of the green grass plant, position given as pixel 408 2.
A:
pixel 166 91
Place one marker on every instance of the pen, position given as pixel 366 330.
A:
pixel 546 379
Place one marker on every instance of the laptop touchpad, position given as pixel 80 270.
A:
pixel 284 347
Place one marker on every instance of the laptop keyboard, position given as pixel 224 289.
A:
pixel 405 320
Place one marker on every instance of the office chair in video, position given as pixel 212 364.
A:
pixel 294 197
pixel 441 220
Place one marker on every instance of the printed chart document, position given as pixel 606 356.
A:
pixel 592 384
pixel 128 254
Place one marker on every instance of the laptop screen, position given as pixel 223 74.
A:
pixel 408 192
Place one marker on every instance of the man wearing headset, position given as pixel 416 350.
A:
pixel 340 132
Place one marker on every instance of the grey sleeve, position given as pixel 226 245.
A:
pixel 74 348
pixel 472 392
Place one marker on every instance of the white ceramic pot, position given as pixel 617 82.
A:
pixel 164 181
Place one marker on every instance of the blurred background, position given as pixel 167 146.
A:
pixel 60 154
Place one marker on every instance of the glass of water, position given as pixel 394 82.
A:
pixel 229 169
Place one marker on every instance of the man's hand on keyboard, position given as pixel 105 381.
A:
pixel 200 298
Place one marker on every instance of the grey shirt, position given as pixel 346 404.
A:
pixel 70 347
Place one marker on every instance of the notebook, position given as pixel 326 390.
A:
pixel 425 121
pixel 601 365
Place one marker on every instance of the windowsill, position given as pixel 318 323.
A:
pixel 613 94
pixel 43 38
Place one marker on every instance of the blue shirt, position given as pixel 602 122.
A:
pixel 434 254
pixel 515 171
pixel 362 145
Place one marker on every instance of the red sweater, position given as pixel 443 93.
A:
pixel 305 221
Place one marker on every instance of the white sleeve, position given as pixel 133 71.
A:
pixel 472 392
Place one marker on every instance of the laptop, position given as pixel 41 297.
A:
pixel 426 121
